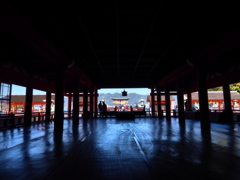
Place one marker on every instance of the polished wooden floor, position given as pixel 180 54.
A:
pixel 143 148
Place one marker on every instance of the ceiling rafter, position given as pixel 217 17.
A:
pixel 70 43
pixel 167 50
pixel 146 40
pixel 89 41
pixel 118 35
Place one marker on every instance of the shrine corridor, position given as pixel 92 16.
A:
pixel 143 148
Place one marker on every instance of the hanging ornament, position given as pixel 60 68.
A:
pixel 124 93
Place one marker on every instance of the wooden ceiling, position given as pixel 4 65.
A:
pixel 114 44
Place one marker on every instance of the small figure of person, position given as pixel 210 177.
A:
pixel 125 107
pixel 186 105
pixel 100 106
pixel 104 109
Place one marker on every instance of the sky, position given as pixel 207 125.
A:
pixel 20 90
pixel 142 91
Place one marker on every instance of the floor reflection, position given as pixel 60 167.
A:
pixel 143 148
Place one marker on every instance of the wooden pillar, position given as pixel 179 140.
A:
pixel 59 100
pixel 227 102
pixel 76 102
pixel 189 100
pixel 159 105
pixel 10 95
pixel 238 104
pixel 167 102
pixel 180 100
pixel 69 105
pixel 153 102
pixel 203 99
pixel 95 103
pixel 91 103
pixel 85 102
pixel 48 105
pixel 28 105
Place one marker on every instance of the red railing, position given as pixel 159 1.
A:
pixel 17 119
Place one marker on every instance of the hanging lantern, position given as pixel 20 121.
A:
pixel 124 93
pixel 142 102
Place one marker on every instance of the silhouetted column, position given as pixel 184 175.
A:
pixel 189 100
pixel 10 95
pixel 85 102
pixel 203 99
pixel 69 105
pixel 48 105
pixel 153 102
pixel 95 103
pixel 180 101
pixel 167 102
pixel 28 105
pixel 227 102
pixel 91 103
pixel 238 104
pixel 59 100
pixel 160 115
pixel 76 101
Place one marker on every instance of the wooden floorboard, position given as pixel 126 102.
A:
pixel 106 148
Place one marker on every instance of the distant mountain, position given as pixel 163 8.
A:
pixel 134 98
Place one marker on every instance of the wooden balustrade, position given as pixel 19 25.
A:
pixel 13 120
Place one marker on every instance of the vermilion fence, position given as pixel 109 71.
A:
pixel 13 120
